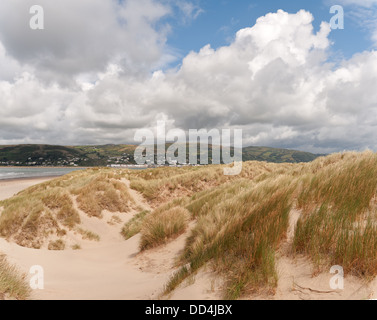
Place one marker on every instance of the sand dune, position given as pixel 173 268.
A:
pixel 114 269
pixel 110 269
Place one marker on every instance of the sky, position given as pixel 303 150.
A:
pixel 102 69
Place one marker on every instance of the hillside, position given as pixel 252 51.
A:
pixel 88 156
pixel 24 154
pixel 277 155
pixel 239 229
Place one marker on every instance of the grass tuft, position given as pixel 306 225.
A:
pixel 133 227
pixel 160 227
pixel 88 235
pixel 58 245
pixel 13 284
pixel 338 225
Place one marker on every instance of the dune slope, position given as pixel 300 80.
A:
pixel 273 232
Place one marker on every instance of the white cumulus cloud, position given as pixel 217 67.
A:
pixel 273 81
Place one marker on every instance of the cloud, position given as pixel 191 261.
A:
pixel 9 67
pixel 364 13
pixel 273 81
pixel 364 3
pixel 190 10
pixel 84 36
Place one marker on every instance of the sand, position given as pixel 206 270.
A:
pixel 109 269
pixel 114 269
pixel 9 188
pixel 106 272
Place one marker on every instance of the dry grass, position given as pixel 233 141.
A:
pixel 239 235
pixel 240 221
pixel 29 221
pixel 162 185
pixel 339 221
pixel 114 220
pixel 203 202
pixel 241 224
pixel 133 227
pixel 60 202
pixel 13 285
pixel 48 210
pixel 58 245
pixel 160 227
pixel 103 193
pixel 76 247
pixel 158 188
pixel 88 235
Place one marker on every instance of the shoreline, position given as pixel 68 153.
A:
pixel 30 178
pixel 29 173
pixel 11 187
pixel 43 167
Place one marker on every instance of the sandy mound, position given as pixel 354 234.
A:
pixel 243 228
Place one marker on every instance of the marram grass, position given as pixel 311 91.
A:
pixel 13 285
pixel 237 223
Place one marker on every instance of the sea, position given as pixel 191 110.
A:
pixel 9 173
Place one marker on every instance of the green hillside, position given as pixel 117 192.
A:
pixel 103 155
pixel 277 155
pixel 30 154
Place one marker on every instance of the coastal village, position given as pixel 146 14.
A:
pixel 65 162
pixel 125 161
pixel 71 162
pixel 88 156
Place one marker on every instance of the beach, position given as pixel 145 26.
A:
pixel 9 188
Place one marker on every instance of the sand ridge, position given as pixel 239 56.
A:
pixel 115 269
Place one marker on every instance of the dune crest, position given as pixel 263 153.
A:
pixel 273 232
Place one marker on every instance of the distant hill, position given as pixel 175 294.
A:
pixel 102 155
pixel 277 155
pixel 28 154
